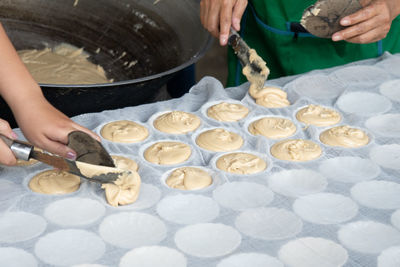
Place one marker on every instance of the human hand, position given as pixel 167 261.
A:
pixel 217 16
pixel 47 128
pixel 370 24
pixel 6 155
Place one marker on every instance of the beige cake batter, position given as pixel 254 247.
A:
pixel 227 112
pixel 124 131
pixel 318 115
pixel 272 127
pixel 270 97
pixel 167 153
pixel 296 150
pixel 344 136
pixel 125 163
pixel 24 163
pixel 125 190
pixel 241 163
pixel 189 178
pixel 64 64
pixel 54 182
pixel 219 140
pixel 256 80
pixel 177 122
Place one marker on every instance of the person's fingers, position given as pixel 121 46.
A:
pixel 237 14
pixel 58 148
pixel 369 37
pixel 6 130
pixel 363 14
pixel 213 18
pixel 225 21
pixel 6 155
pixel 356 30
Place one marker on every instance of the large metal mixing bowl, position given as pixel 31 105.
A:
pixel 162 37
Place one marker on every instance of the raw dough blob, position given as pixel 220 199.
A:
pixel 270 97
pixel 54 182
pixel 64 64
pixel 125 163
pixel 167 153
pixel 125 190
pixel 227 112
pixel 272 127
pixel 318 115
pixel 219 140
pixel 124 132
pixel 256 79
pixel 344 136
pixel 296 150
pixel 241 163
pixel 189 178
pixel 177 122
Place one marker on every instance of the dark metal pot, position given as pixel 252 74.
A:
pixel 163 38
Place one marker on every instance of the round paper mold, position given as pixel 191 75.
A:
pixel 364 103
pixel 9 192
pixel 188 209
pixel 154 256
pixel 20 226
pixel 325 208
pixel 243 195
pixel 377 194
pixel 132 229
pixel 395 219
pixel 250 260
pixel 317 86
pixel 143 149
pixel 214 176
pixel 368 236
pixel 385 125
pixel 269 223
pixel 74 211
pixel 389 257
pixel 361 74
pixel 296 183
pixel 207 240
pixel 207 105
pixel 387 156
pixel 349 169
pixel 68 247
pixel 312 252
pixel 16 257
pixel 390 89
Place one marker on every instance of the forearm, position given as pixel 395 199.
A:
pixel 17 86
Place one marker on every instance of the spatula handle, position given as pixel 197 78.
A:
pixel 21 150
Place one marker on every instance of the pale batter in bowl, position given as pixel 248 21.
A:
pixel 219 140
pixel 296 150
pixel 344 136
pixel 189 178
pixel 124 131
pixel 241 163
pixel 272 127
pixel 177 122
pixel 167 153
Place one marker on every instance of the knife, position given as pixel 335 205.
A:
pixel 96 173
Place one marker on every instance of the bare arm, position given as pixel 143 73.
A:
pixel 41 123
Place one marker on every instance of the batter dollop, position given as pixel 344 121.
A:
pixel 124 131
pixel 124 190
pixel 270 97
pixel 167 153
pixel 272 127
pixel 189 178
pixel 125 163
pixel 219 140
pixel 296 150
pixel 54 182
pixel 227 112
pixel 241 163
pixel 177 122
pixel 344 136
pixel 318 115
pixel 64 64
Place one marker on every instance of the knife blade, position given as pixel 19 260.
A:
pixel 101 174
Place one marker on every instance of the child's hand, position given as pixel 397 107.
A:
pixel 6 155
pixel 47 128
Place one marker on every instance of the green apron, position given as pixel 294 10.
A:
pixel 266 27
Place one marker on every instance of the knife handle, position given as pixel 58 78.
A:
pixel 22 150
